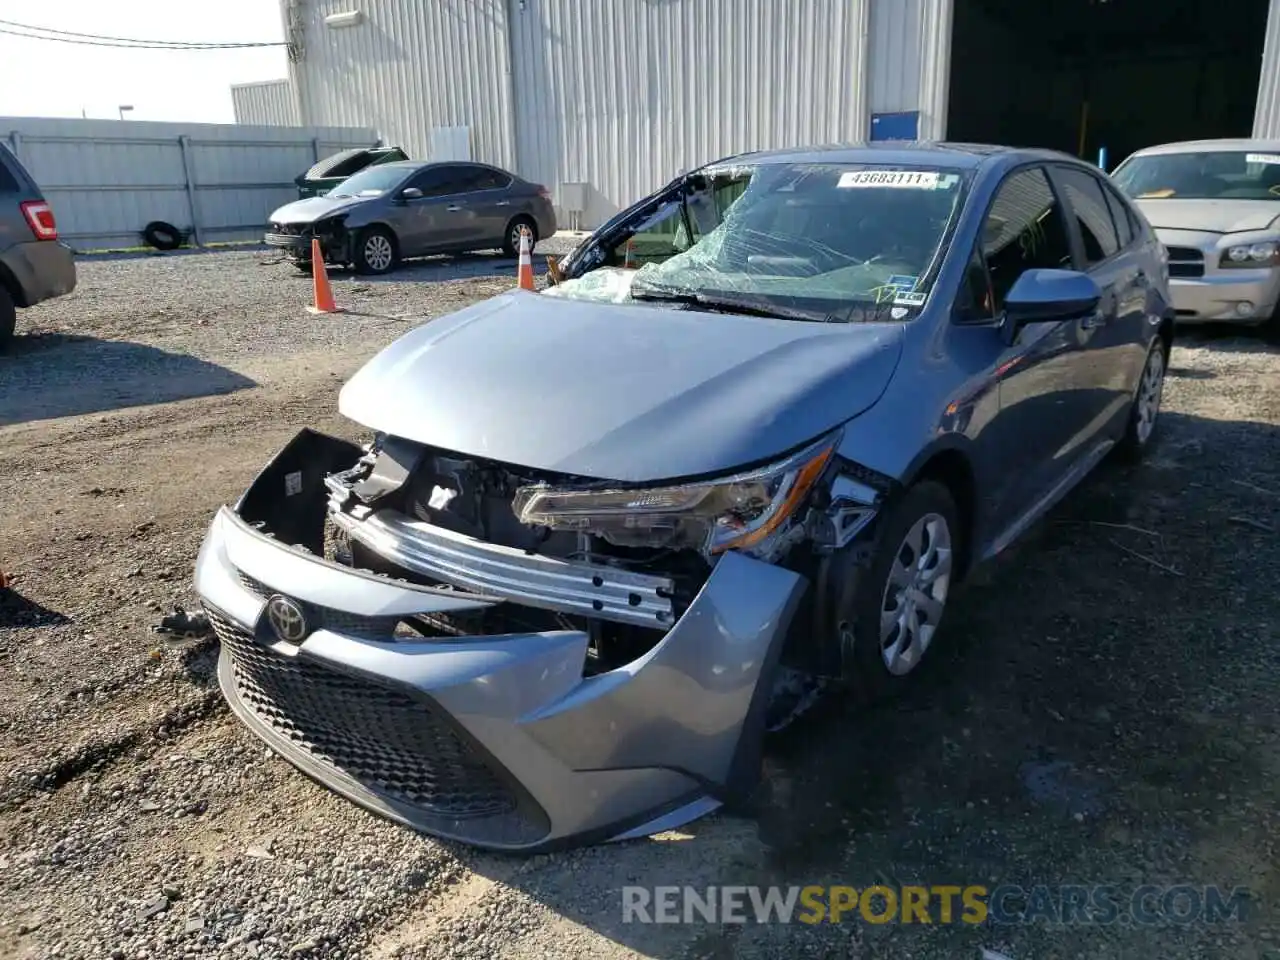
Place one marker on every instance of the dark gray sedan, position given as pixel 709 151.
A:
pixel 383 214
pixel 609 534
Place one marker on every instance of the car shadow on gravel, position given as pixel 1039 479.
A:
pixel 1103 710
pixel 48 375
pixel 17 611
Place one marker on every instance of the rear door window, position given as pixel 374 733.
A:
pixel 1119 216
pixel 8 182
pixel 486 178
pixel 1089 206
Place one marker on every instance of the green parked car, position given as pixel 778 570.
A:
pixel 331 171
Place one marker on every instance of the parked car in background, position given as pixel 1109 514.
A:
pixel 331 171
pixel 609 534
pixel 388 212
pixel 1215 205
pixel 34 265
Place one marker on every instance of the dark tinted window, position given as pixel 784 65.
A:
pixel 441 181
pixel 486 178
pixel 1024 229
pixel 8 182
pixel 1119 216
pixel 1084 193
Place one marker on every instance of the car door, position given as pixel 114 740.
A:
pixel 463 213
pixel 1029 442
pixel 422 223
pixel 1105 339
pixel 490 207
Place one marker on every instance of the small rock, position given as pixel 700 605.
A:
pixel 171 892
pixel 303 946
pixel 1078 817
pixel 148 806
pixel 30 926
pixel 262 849
pixel 194 925
pixel 157 906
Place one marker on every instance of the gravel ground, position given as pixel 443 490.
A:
pixel 1105 710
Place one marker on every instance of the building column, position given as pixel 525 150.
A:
pixel 1266 115
pixel 935 66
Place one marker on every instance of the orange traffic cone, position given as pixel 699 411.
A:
pixel 524 272
pixel 324 302
pixel 629 262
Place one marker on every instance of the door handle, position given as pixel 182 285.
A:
pixel 503 203
pixel 453 209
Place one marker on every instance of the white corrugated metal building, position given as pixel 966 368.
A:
pixel 604 100
pixel 267 103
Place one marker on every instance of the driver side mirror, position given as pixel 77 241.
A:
pixel 411 193
pixel 1040 295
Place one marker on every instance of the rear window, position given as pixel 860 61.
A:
pixel 8 182
pixel 1210 175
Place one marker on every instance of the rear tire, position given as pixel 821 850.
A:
pixel 376 251
pixel 511 241
pixel 1141 428
pixel 891 605
pixel 8 319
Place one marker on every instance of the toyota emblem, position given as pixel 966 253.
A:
pixel 287 620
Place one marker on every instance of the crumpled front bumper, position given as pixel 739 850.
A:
pixel 498 741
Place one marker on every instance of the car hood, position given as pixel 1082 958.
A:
pixel 1213 216
pixel 312 209
pixel 629 393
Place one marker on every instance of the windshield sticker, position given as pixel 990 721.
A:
pixel 1262 158
pixel 902 282
pixel 902 179
pixel 907 299
pixel 898 312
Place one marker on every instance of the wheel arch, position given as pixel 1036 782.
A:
pixel 950 463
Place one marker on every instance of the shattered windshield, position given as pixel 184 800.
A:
pixel 1212 175
pixel 372 182
pixel 820 241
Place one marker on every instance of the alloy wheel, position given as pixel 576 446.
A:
pixel 378 253
pixel 915 594
pixel 1150 391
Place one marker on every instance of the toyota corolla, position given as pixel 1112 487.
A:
pixel 607 535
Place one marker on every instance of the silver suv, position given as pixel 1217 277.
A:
pixel 34 265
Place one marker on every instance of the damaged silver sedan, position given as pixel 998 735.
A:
pixel 608 535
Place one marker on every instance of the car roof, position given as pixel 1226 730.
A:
pixel 1208 146
pixel 408 165
pixel 941 153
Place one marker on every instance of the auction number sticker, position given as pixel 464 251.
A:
pixel 1262 158
pixel 903 179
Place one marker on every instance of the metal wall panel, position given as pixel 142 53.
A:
pixel 106 179
pixel 910 60
pixel 624 95
pixel 266 104
pixel 1266 117
pixel 409 66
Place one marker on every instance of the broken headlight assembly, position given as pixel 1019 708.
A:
pixel 739 512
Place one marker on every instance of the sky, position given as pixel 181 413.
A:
pixel 41 78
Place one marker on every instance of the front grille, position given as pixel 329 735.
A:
pixel 1185 262
pixel 327 618
pixel 393 744
pixel 290 229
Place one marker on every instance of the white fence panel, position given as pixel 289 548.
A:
pixel 107 179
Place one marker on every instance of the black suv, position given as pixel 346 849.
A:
pixel 34 266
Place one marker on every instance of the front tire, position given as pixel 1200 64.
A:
pixel 376 251
pixel 1140 431
pixel 891 605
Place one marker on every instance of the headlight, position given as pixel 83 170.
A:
pixel 732 513
pixel 1251 255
